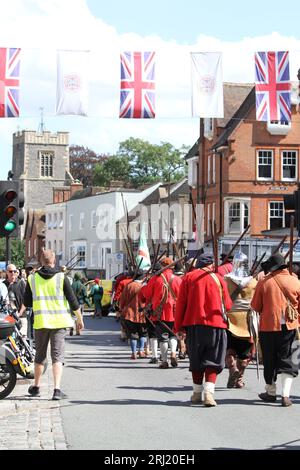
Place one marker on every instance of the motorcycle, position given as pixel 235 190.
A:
pixel 16 353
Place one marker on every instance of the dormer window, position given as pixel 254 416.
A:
pixel 279 127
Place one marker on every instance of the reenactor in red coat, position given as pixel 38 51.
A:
pixel 201 312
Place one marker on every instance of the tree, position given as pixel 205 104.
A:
pixel 17 252
pixel 115 168
pixel 138 162
pixel 150 163
pixel 82 163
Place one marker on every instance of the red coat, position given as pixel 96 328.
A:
pixel 153 293
pixel 225 268
pixel 199 301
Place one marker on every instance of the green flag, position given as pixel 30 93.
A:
pixel 143 252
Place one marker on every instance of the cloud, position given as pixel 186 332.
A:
pixel 40 27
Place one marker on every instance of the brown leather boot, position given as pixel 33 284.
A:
pixel 241 365
pixel 231 363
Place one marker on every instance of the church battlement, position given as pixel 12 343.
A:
pixel 41 138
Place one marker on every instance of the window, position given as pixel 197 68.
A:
pixel 55 246
pixel 208 169
pixel 49 245
pixel 93 219
pixel 276 215
pixel 61 220
pixel 289 165
pixel 46 159
pixel 28 248
pixel 208 220
pixel 60 247
pixel 214 212
pixel 208 128
pixel 237 215
pixel 265 164
pixel 93 254
pixel 213 168
pixel 81 221
pixel 49 221
pixel 234 217
pixel 79 248
pixel 54 220
pixel 35 247
pixel 70 222
pixel 192 172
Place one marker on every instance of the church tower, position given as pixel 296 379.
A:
pixel 40 163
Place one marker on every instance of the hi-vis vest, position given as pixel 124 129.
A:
pixel 50 307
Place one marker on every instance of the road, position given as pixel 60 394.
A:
pixel 115 403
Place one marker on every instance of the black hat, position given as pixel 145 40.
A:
pixel 157 267
pixel 223 256
pixel 204 260
pixel 273 263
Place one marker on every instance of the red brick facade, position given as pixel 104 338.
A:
pixel 232 155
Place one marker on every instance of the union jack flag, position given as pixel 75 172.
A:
pixel 137 96
pixel 273 88
pixel 9 82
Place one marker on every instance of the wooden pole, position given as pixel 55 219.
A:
pixel 292 223
pixel 279 245
pixel 235 245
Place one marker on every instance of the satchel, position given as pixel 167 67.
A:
pixel 290 311
pixel 238 324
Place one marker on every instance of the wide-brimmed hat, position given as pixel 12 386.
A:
pixel 205 260
pixel 273 263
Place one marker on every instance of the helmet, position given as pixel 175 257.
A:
pixel 240 265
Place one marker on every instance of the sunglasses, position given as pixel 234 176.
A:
pixel 13 271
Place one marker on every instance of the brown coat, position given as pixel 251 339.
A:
pixel 270 302
pixel 130 303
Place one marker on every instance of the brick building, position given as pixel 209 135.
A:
pixel 240 169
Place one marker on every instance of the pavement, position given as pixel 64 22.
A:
pixel 28 423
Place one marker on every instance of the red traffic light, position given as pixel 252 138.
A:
pixel 10 211
pixel 10 195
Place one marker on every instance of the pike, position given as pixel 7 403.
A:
pixel 235 245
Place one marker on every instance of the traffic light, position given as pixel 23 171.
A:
pixel 11 208
pixel 292 208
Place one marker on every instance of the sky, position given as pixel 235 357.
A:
pixel 173 28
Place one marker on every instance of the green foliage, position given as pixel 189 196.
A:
pixel 115 168
pixel 138 162
pixel 17 252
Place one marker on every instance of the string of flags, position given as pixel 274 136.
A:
pixel 138 79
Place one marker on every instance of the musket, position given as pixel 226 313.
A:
pixel 169 266
pixel 74 264
pixel 158 321
pixel 288 252
pixel 70 260
pixel 254 268
pixel 279 245
pixel 194 259
pixel 235 245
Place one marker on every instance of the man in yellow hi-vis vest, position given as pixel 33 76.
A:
pixel 51 297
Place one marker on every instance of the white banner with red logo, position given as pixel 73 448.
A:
pixel 72 82
pixel 207 85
